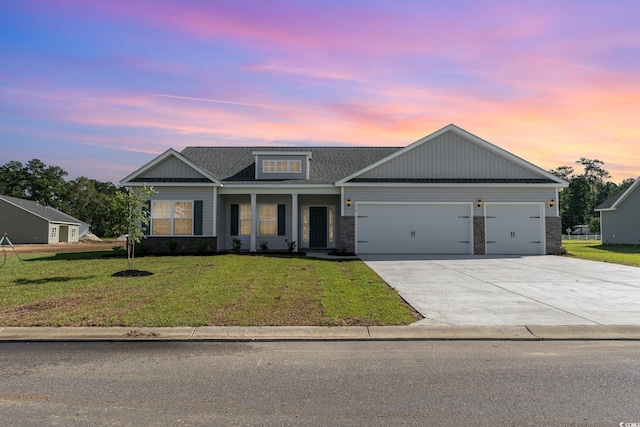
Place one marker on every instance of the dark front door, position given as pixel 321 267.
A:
pixel 318 227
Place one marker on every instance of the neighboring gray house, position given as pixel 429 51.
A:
pixel 25 221
pixel 448 193
pixel 620 217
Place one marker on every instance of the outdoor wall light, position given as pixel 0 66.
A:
pixel 349 202
pixel 552 203
pixel 479 203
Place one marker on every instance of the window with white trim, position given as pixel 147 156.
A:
pixel 281 166
pixel 169 218
pixel 54 232
pixel 73 233
pixel 268 223
pixel 245 220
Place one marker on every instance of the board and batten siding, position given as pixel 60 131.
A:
pixel 171 167
pixel 179 194
pixel 622 226
pixel 450 156
pixel 274 175
pixel 450 194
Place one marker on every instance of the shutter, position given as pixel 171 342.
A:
pixel 197 218
pixel 235 216
pixel 147 226
pixel 281 220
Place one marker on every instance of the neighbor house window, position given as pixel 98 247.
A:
pixel 281 166
pixel 54 232
pixel 245 220
pixel 171 218
pixel 268 220
pixel 73 233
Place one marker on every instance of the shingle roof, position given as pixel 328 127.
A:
pixel 46 212
pixel 328 164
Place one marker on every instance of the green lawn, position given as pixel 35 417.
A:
pixel 594 250
pixel 78 289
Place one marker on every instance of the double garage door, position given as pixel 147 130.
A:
pixel 447 228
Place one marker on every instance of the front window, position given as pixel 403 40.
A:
pixel 73 233
pixel 245 220
pixel 268 166
pixel 171 218
pixel 54 232
pixel 268 220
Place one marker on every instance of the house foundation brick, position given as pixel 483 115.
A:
pixel 348 233
pixel 177 245
pixel 478 235
pixel 553 226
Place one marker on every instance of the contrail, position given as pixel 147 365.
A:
pixel 246 104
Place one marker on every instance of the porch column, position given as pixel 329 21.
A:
pixel 294 220
pixel 254 222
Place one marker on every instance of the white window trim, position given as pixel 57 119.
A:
pixel 172 217
pixel 275 166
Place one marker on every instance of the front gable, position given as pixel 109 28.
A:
pixel 170 168
pixel 453 155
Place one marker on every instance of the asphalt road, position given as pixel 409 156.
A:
pixel 450 383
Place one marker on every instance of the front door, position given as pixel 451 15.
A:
pixel 318 227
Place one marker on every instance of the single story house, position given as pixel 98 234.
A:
pixel 447 193
pixel 620 217
pixel 26 222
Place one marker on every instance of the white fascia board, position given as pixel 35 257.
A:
pixel 172 184
pixel 282 153
pixel 606 210
pixel 469 184
pixel 162 157
pixel 273 189
pixel 485 144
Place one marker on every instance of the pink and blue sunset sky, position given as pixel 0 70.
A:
pixel 99 88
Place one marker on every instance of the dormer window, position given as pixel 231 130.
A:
pixel 281 166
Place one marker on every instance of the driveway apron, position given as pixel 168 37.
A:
pixel 513 290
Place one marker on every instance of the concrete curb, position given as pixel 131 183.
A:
pixel 319 333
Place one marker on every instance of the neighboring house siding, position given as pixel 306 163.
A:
pixel 173 168
pixel 450 194
pixel 622 226
pixel 21 226
pixel 191 194
pixel 276 176
pixel 450 156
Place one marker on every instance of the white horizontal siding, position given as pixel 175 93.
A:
pixel 450 156
pixel 171 167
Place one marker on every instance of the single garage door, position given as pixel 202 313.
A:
pixel 514 229
pixel 414 228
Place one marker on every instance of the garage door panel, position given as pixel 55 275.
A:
pixel 414 228
pixel 514 229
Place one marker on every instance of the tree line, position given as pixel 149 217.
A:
pixel 96 202
pixel 86 199
pixel 587 189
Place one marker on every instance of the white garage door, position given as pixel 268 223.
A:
pixel 414 228
pixel 514 229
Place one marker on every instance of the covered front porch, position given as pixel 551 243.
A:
pixel 274 220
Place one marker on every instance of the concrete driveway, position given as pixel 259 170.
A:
pixel 526 290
